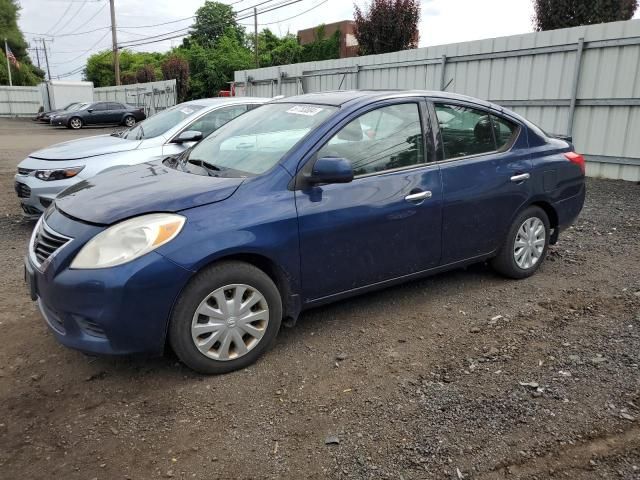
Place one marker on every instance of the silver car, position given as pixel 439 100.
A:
pixel 45 173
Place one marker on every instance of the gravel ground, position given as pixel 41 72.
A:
pixel 464 375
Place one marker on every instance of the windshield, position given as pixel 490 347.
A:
pixel 161 122
pixel 254 142
pixel 71 106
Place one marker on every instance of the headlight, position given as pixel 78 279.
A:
pixel 58 173
pixel 129 240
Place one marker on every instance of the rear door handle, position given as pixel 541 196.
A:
pixel 416 197
pixel 521 178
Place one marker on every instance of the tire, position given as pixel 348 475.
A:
pixel 75 123
pixel 129 121
pixel 513 263
pixel 227 279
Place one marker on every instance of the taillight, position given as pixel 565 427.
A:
pixel 576 158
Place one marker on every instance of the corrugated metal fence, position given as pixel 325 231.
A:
pixel 152 96
pixel 584 81
pixel 19 101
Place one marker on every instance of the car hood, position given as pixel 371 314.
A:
pixel 145 188
pixel 86 147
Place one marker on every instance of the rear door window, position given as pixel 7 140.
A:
pixel 465 131
pixel 505 132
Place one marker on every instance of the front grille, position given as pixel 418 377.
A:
pixel 24 171
pixel 47 242
pixel 22 190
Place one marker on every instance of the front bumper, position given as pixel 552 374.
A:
pixel 121 310
pixel 58 121
pixel 36 195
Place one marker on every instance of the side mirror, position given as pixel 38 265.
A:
pixel 188 136
pixel 331 170
pixel 90 110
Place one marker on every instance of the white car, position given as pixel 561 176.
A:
pixel 45 173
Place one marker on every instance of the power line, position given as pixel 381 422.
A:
pixel 83 53
pixel 289 18
pixel 142 41
pixel 60 19
pixel 86 22
pixel 72 16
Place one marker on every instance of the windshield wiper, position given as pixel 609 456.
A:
pixel 208 167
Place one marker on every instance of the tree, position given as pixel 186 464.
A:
pixel 212 68
pixel 99 69
pixel 176 67
pixel 387 26
pixel 552 14
pixel 26 73
pixel 146 74
pixel 213 20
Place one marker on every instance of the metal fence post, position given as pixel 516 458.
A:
pixel 279 81
pixel 357 77
pixel 574 86
pixel 443 64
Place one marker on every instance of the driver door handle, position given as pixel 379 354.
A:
pixel 417 197
pixel 521 178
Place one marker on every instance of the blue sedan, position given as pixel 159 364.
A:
pixel 295 204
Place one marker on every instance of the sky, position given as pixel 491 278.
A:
pixel 442 21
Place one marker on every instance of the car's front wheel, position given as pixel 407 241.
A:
pixel 526 245
pixel 226 317
pixel 75 123
pixel 129 121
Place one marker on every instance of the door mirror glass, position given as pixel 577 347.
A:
pixel 331 170
pixel 188 136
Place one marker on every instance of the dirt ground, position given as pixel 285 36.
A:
pixel 464 375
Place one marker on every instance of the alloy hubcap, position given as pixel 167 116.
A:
pixel 75 123
pixel 230 322
pixel 129 122
pixel 529 243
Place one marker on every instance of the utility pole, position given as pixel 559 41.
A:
pixel 46 57
pixel 255 26
pixel 37 55
pixel 114 41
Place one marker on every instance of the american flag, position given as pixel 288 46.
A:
pixel 12 58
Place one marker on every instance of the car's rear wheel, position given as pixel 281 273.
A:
pixel 526 245
pixel 75 123
pixel 129 121
pixel 226 317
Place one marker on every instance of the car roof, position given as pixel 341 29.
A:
pixel 206 102
pixel 339 98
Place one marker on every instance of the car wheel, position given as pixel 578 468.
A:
pixel 129 121
pixel 526 245
pixel 225 318
pixel 75 123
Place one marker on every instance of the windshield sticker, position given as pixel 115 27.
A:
pixel 187 111
pixel 306 110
